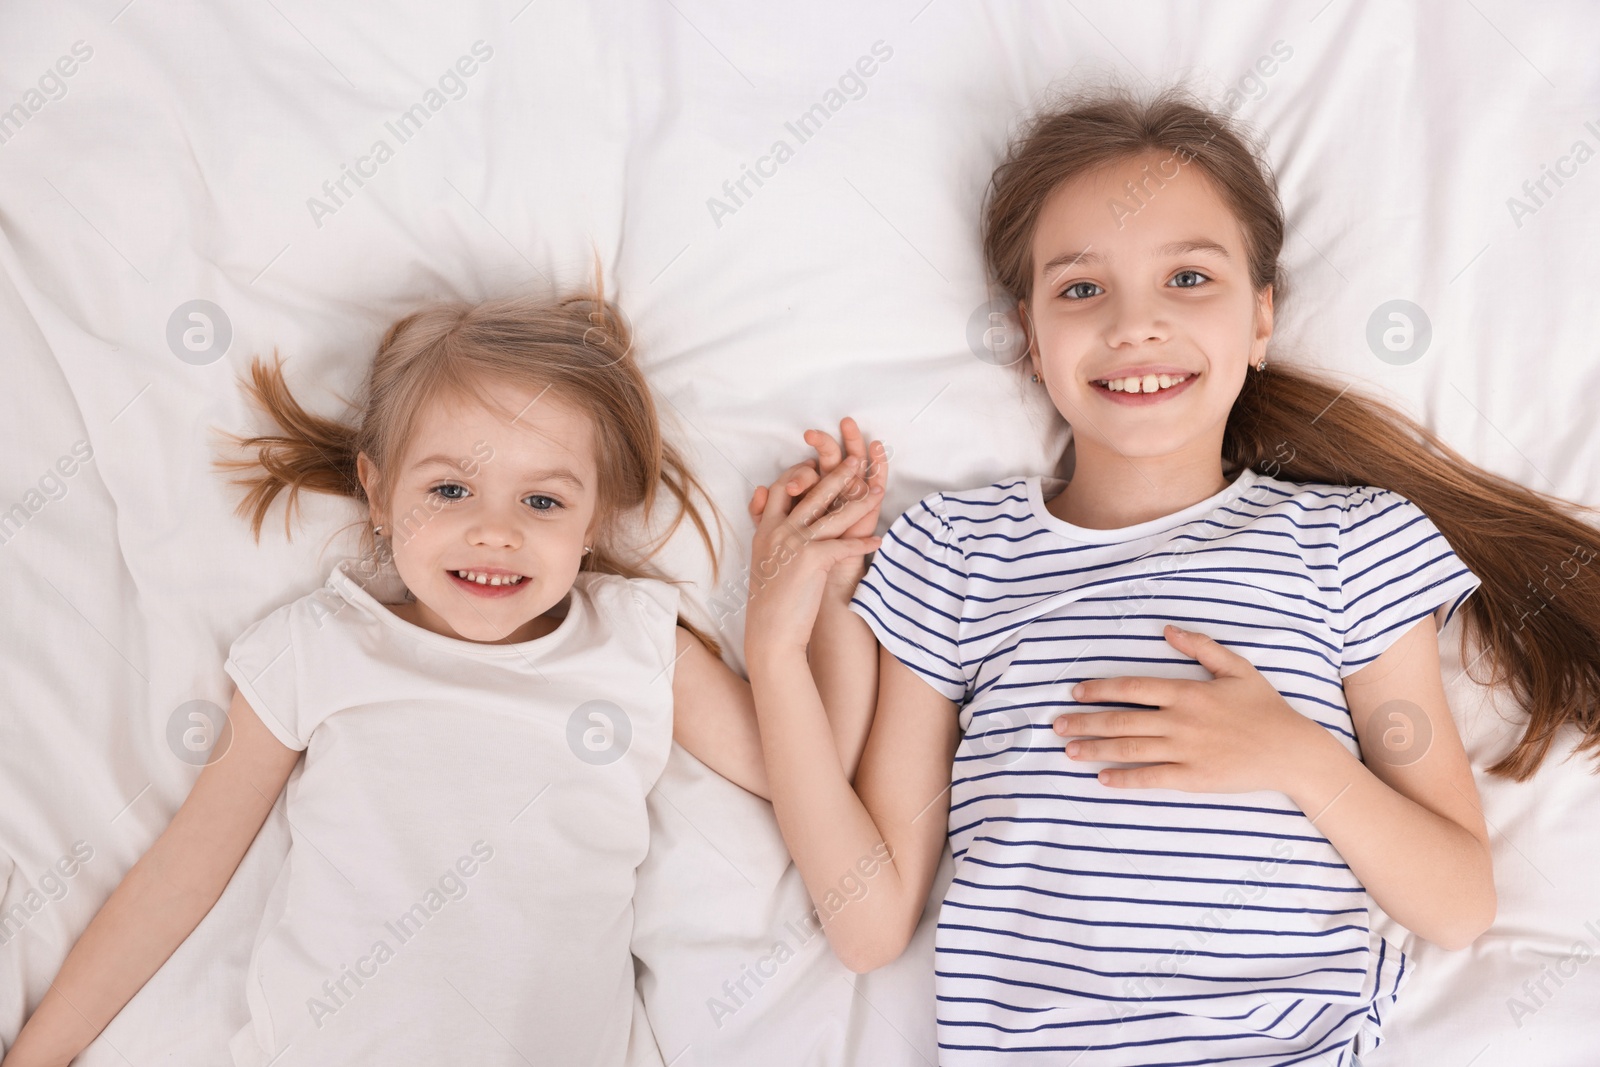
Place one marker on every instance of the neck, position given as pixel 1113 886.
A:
pixel 1109 491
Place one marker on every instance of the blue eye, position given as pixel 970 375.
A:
pixel 544 505
pixel 1068 292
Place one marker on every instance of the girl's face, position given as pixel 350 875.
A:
pixel 507 494
pixel 1129 289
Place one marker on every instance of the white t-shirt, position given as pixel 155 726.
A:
pixel 1152 926
pixel 465 827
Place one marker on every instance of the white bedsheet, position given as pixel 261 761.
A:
pixel 185 157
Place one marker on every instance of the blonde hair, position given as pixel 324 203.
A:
pixel 578 346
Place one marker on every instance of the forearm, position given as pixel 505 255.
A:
pixel 843 655
pixel 142 923
pixel 1430 874
pixel 828 830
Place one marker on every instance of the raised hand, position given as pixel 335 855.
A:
pixel 797 543
pixel 874 460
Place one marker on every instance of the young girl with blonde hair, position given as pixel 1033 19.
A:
pixel 1192 879
pixel 482 703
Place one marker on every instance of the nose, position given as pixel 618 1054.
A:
pixel 495 527
pixel 1136 318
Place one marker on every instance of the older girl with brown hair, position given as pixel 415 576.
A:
pixel 1181 718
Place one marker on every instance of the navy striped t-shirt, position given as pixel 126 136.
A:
pixel 1150 926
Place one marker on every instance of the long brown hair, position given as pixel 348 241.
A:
pixel 1543 640
pixel 579 346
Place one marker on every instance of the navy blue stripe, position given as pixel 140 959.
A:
pixel 1231 646
pixel 1142 902
pixel 1332 1037
pixel 1233 979
pixel 999 980
pixel 1355 580
pixel 1411 596
pixel 1229 547
pixel 1293 813
pixel 942 638
pixel 1228 856
pixel 1020 520
pixel 1137 876
pixel 1181 927
pixel 1262 515
pixel 898 653
pixel 992 501
pixel 922 669
pixel 1397 504
pixel 1167 951
pixel 1205 620
pixel 1038 531
pixel 1223 831
pixel 1324 1043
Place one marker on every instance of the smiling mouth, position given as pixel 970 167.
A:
pixel 1148 383
pixel 487 580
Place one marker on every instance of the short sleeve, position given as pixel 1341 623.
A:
pixel 913 593
pixel 263 665
pixel 1395 568
pixel 657 603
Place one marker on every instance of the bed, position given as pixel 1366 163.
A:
pixel 162 161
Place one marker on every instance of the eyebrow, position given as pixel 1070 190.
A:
pixel 552 474
pixel 1176 248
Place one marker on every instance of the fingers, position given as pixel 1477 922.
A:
pixel 1147 692
pixel 811 507
pixel 1157 776
pixel 837 501
pixel 1211 655
pixel 1125 737
pixel 878 466
pixel 831 452
pixel 848 547
pixel 804 478
pixel 776 499
pixel 854 444
pixel 828 451
pixel 1110 724
pixel 855 503
pixel 1121 750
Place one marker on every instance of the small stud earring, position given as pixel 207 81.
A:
pixel 378 530
pixel 1035 377
pixel 586 549
pixel 1263 364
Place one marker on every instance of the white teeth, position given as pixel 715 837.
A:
pixel 1148 383
pixel 484 579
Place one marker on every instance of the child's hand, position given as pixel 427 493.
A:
pixel 1232 734
pixel 796 545
pixel 873 456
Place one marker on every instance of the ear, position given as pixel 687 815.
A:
pixel 367 474
pixel 1263 332
pixel 1028 338
pixel 598 529
pixel 1264 314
